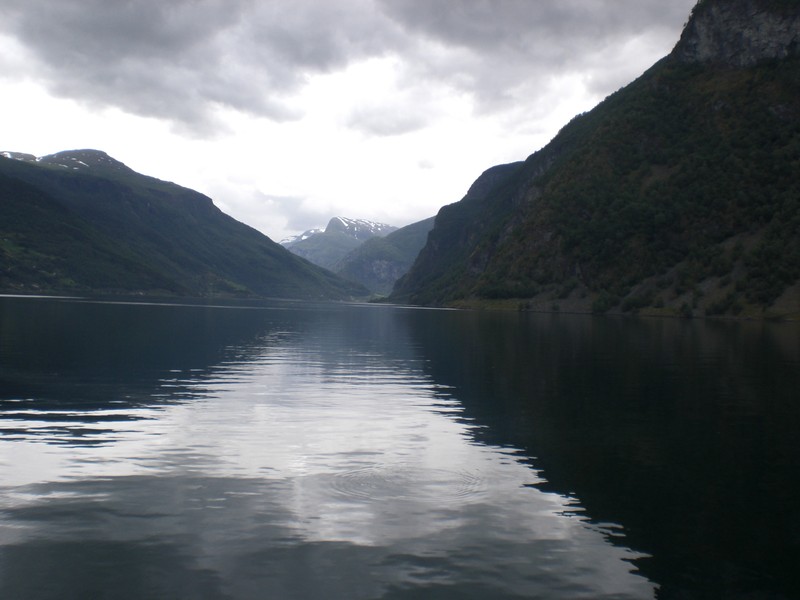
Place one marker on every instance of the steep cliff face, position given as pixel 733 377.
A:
pixel 444 261
pixel 740 33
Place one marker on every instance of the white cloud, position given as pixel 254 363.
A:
pixel 289 113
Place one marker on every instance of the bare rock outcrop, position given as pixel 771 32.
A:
pixel 740 33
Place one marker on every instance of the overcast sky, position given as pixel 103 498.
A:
pixel 289 112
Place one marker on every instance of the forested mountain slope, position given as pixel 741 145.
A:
pixel 82 222
pixel 679 194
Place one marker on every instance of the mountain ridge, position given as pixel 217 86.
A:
pixel 380 261
pixel 326 248
pixel 674 196
pixel 124 232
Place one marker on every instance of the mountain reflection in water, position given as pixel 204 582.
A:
pixel 335 451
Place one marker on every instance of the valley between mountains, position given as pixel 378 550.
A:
pixel 678 195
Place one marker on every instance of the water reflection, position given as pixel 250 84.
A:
pixel 683 432
pixel 292 452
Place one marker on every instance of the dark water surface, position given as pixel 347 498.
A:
pixel 365 452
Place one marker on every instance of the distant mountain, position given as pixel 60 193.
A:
pixel 342 235
pixel 360 229
pixel 677 195
pixel 380 261
pixel 82 222
pixel 292 240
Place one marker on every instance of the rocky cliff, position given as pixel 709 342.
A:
pixel 740 33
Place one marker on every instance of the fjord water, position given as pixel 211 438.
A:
pixel 297 450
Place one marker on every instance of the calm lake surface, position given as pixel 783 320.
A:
pixel 318 451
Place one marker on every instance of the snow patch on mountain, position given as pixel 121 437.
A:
pixel 293 239
pixel 75 160
pixel 360 229
pixel 19 156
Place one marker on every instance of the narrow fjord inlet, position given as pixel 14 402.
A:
pixel 579 381
pixel 334 451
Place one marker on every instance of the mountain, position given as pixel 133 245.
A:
pixel 380 261
pixel 82 222
pixel 87 161
pixel 292 240
pixel 677 195
pixel 326 248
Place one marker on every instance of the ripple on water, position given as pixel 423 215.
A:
pixel 406 482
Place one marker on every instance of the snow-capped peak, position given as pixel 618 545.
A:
pixel 293 239
pixel 360 229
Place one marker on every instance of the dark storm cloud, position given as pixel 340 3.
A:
pixel 538 27
pixel 181 59
pixel 140 56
